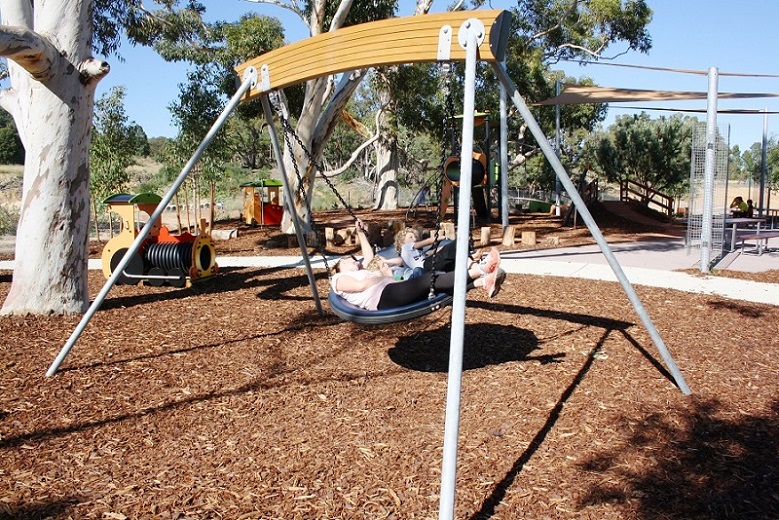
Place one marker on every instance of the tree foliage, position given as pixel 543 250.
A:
pixel 542 33
pixel 199 105
pixel 750 163
pixel 572 29
pixel 11 149
pixel 113 146
pixel 139 140
pixel 772 165
pixel 546 31
pixel 173 21
pixel 652 152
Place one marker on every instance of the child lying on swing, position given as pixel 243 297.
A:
pixel 372 290
pixel 415 256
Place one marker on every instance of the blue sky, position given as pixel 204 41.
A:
pixel 733 36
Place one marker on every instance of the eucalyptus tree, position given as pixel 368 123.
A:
pixel 652 152
pixel 139 140
pixel 54 50
pixel 247 136
pixel 112 147
pixel 736 163
pixel 198 106
pixel 321 108
pixel 752 163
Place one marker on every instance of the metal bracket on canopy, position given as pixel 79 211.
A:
pixel 264 79
pixel 445 43
pixel 251 74
pixel 471 24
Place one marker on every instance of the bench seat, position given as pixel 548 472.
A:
pixel 760 238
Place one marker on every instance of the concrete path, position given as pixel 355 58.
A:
pixel 655 264
pixel 650 263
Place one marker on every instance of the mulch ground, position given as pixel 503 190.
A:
pixel 235 399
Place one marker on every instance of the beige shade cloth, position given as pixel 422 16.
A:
pixel 577 94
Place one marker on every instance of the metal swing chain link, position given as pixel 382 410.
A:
pixel 287 130
pixel 446 133
pixel 320 168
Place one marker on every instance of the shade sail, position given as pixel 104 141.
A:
pixel 578 94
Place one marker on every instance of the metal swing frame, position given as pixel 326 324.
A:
pixel 376 44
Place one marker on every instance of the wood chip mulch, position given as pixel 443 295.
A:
pixel 234 399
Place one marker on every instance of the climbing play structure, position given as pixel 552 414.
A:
pixel 467 37
pixel 162 258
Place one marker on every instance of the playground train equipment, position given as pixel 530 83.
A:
pixel 176 260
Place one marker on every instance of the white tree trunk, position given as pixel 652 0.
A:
pixel 386 158
pixel 386 163
pixel 51 99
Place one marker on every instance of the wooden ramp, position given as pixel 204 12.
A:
pixel 413 39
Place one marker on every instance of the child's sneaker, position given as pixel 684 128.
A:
pixel 492 261
pixel 493 281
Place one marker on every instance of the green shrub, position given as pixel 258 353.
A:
pixel 9 220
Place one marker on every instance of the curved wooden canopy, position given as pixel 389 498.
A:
pixel 413 39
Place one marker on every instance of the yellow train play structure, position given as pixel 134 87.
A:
pixel 163 258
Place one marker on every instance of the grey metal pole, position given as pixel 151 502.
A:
pixel 558 185
pixel 710 167
pixel 591 225
pixel 289 201
pixel 468 34
pixel 249 80
pixel 763 164
pixel 504 160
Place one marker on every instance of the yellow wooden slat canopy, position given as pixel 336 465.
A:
pixel 394 41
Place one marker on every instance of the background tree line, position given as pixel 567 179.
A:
pixel 654 152
pixel 651 151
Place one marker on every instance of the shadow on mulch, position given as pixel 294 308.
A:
pixel 484 344
pixel 228 280
pixel 714 467
pixel 721 469
pixel 50 509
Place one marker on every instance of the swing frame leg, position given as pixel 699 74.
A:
pixel 249 81
pixel 567 183
pixel 289 201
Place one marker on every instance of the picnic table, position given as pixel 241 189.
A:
pixel 760 236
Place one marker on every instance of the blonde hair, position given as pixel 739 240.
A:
pixel 400 237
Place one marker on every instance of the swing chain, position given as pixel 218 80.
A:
pixel 287 130
pixel 446 131
pixel 320 168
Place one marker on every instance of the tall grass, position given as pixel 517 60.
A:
pixel 11 169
